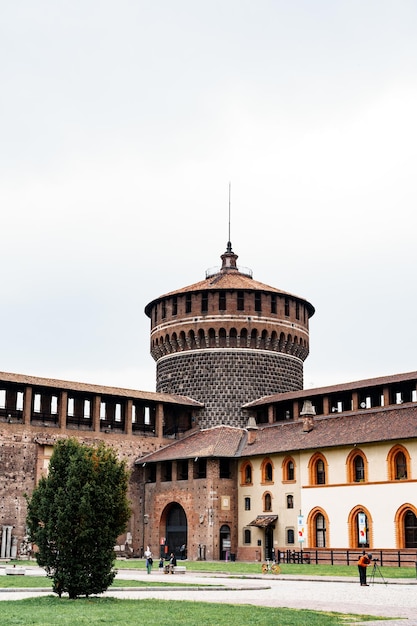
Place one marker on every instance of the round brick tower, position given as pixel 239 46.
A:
pixel 228 340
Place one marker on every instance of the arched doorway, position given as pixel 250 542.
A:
pixel 225 542
pixel 176 530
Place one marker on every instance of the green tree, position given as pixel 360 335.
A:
pixel 75 515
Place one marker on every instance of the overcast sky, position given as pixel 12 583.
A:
pixel 122 124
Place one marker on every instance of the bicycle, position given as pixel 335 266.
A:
pixel 273 567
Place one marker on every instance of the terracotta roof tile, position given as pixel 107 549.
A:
pixel 336 430
pixel 375 425
pixel 219 441
pixel 229 280
pixel 319 391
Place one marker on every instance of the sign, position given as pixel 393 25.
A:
pixel 362 528
pixel 301 528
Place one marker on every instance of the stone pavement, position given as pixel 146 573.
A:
pixel 396 599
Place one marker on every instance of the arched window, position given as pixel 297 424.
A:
pixel 247 504
pixel 191 340
pixel 410 529
pixel 202 338
pixel 247 536
pixel 233 338
pixel 267 502
pixel 290 536
pixel 222 337
pixel 406 526
pixel 246 474
pixel 318 525
pixel 267 472
pixel 290 501
pixel 360 528
pixel 320 531
pixel 398 463
pixel 288 469
pixel 212 338
pixel 357 466
pixel 243 338
pixel 318 469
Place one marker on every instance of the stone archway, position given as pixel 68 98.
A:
pixel 176 530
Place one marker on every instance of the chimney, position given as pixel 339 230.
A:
pixel 251 427
pixel 307 413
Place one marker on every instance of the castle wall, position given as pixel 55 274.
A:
pixel 209 503
pixel 24 455
pixel 224 380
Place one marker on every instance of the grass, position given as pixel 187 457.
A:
pixel 241 568
pixel 63 612
pixel 33 582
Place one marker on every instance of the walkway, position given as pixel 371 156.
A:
pixel 344 595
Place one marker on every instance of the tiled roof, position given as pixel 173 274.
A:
pixel 262 521
pixel 98 389
pixel 337 430
pixel 372 426
pixel 219 441
pixel 233 280
pixel 320 391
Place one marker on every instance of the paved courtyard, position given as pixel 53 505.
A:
pixel 394 599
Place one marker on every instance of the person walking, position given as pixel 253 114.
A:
pixel 149 560
pixel 363 562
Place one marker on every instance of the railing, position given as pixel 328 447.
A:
pixel 393 558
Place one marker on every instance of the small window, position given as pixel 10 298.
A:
pixel 204 302
pixel 297 310
pixel 188 303
pixel 247 504
pixel 247 536
pixel 400 466
pixel 240 301
pixel 288 469
pixel 290 501
pixel 164 309
pixel 320 473
pixel 287 308
pixel 37 403
pixel 258 302
pixel 222 301
pixel 273 303
pixel 200 468
pixel 182 469
pixel 166 475
pixel 267 502
pixel 174 305
pixel 290 536
pixel 359 468
pixel 224 469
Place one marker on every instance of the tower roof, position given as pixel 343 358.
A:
pixel 229 277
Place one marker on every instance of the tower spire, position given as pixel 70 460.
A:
pixel 229 243
pixel 229 258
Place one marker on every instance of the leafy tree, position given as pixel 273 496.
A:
pixel 75 515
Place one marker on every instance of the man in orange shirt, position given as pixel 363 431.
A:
pixel 363 563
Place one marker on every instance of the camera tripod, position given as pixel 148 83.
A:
pixel 376 570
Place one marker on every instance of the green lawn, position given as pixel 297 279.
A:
pixel 63 612
pixel 241 568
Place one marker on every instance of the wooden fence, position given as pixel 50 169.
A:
pixel 393 558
